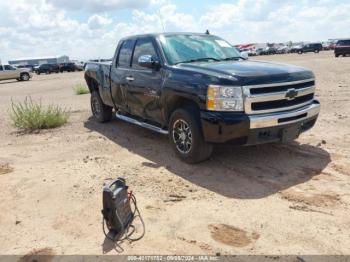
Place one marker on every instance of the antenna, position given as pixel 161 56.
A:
pixel 161 20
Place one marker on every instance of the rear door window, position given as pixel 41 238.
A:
pixel 344 42
pixel 124 57
pixel 144 46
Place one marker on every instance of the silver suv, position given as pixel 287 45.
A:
pixel 9 72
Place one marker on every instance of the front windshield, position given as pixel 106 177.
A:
pixel 191 48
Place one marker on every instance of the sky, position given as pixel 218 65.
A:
pixel 89 29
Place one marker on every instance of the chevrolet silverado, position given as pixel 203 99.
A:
pixel 198 90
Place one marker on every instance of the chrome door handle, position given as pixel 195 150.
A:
pixel 130 78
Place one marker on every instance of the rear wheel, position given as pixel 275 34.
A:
pixel 336 55
pixel 101 112
pixel 300 52
pixel 25 77
pixel 316 51
pixel 186 137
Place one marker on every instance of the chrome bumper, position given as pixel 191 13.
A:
pixel 283 118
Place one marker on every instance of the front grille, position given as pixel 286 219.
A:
pixel 278 97
pixel 281 103
pixel 273 89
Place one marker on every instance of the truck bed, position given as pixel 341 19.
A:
pixel 99 71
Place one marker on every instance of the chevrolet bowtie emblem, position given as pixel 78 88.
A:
pixel 291 94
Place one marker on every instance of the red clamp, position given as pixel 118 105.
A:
pixel 130 194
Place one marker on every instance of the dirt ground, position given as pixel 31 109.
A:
pixel 269 199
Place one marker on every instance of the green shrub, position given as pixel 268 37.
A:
pixel 31 115
pixel 81 90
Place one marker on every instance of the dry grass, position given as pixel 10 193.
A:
pixel 81 90
pixel 30 115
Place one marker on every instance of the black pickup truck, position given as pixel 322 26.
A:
pixel 198 90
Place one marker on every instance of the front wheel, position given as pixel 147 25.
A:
pixel 101 112
pixel 186 137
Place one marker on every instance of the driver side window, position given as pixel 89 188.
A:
pixel 143 47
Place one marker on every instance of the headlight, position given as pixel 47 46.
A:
pixel 224 98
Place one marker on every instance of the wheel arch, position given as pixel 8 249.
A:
pixel 91 83
pixel 176 102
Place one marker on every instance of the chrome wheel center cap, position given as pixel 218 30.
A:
pixel 183 136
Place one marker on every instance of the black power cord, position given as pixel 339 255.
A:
pixel 136 213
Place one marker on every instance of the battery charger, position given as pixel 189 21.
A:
pixel 117 211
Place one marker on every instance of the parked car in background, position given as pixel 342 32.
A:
pixel 67 67
pixel 342 48
pixel 269 51
pixel 47 69
pixel 29 67
pixel 259 51
pixel 325 46
pixel 249 51
pixel 8 72
pixel 79 66
pixel 295 48
pixel 312 47
pixel 282 50
pixel 331 46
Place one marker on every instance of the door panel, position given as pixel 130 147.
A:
pixel 9 72
pixel 144 94
pixel 118 88
pixel 119 70
pixel 144 84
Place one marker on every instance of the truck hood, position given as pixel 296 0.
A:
pixel 251 72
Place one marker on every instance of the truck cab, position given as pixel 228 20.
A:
pixel 198 90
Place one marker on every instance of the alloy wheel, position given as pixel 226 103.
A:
pixel 182 136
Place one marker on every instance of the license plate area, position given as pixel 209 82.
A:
pixel 290 133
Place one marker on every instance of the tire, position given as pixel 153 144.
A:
pixel 100 111
pixel 336 55
pixel 24 77
pixel 317 51
pixel 300 52
pixel 186 137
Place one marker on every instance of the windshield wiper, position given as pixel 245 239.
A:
pixel 198 60
pixel 233 58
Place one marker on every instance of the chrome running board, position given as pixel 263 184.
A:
pixel 142 124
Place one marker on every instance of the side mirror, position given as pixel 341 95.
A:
pixel 244 55
pixel 148 61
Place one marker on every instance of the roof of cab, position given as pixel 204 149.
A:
pixel 155 35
